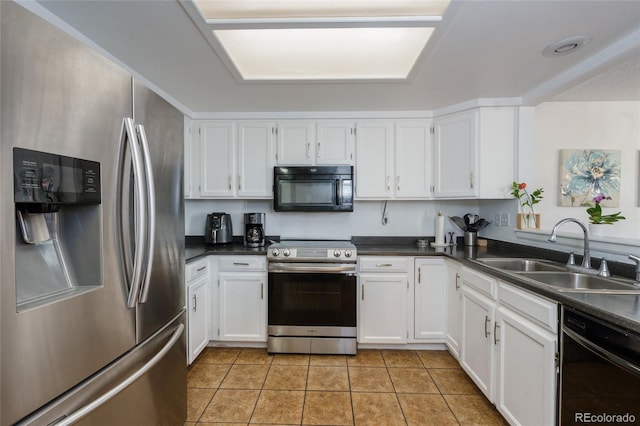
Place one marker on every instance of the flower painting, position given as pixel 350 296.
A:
pixel 589 173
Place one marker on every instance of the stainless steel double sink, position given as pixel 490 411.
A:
pixel 556 276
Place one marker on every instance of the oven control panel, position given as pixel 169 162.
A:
pixel 282 252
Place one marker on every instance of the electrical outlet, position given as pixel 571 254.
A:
pixel 496 219
pixel 504 219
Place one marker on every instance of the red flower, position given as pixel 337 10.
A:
pixel 522 186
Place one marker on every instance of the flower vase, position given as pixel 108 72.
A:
pixel 598 229
pixel 528 221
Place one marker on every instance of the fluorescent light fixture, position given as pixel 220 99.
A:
pixel 322 39
pixel 324 53
pixel 264 9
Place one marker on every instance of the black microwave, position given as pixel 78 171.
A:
pixel 313 189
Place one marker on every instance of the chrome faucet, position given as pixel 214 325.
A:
pixel 637 260
pixel 586 257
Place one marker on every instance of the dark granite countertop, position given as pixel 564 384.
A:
pixel 619 309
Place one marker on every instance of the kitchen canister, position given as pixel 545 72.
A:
pixel 470 238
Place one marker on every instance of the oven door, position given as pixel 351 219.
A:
pixel 599 372
pixel 312 297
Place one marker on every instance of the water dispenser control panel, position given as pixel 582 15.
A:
pixel 44 181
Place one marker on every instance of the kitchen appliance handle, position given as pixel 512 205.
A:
pixel 128 139
pixel 151 213
pixel 312 268
pixel 105 397
pixel 602 352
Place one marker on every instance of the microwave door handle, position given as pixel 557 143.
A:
pixel 151 213
pixel 130 140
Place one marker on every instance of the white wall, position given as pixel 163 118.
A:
pixel 578 125
pixel 406 218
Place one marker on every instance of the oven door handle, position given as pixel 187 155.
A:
pixel 603 353
pixel 312 268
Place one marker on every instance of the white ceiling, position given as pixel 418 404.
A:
pixel 482 49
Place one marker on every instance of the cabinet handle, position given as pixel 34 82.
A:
pixel 419 274
pixel 240 264
pixel 230 178
pixel 202 268
pixel 398 182
pixel 495 333
pixel 383 265
pixel 308 149
pixel 239 182
pixel 471 180
pixel 388 183
pixel 487 321
pixel 318 153
pixel 362 292
pixel 261 291
pixel 195 303
pixel 457 281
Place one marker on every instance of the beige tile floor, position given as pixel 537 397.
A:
pixel 235 386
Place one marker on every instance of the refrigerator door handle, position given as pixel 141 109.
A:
pixel 151 212
pixel 130 139
pixel 110 394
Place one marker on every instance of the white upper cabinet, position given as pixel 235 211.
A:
pixel 296 143
pixel 393 159
pixel 189 181
pixel 217 158
pixel 374 159
pixel 413 159
pixel 475 153
pixel 335 142
pixel 255 159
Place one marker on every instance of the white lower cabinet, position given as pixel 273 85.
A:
pixel 242 291
pixel 383 294
pixel 454 303
pixel 197 288
pixel 477 356
pixel 430 286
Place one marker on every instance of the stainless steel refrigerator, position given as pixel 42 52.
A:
pixel 91 234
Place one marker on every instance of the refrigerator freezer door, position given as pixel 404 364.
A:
pixel 163 127
pixel 61 97
pixel 151 381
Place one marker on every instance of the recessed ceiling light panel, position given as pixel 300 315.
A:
pixel 566 46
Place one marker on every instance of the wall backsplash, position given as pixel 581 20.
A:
pixel 406 218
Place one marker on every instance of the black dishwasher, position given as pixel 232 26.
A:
pixel 599 371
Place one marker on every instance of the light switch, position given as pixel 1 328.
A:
pixel 496 219
pixel 504 219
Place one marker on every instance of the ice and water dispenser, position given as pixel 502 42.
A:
pixel 58 226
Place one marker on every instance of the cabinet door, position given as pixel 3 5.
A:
pixel 188 159
pixel 477 353
pixel 455 157
pixel 413 159
pixel 217 159
pixel 383 308
pixel 295 143
pixel 335 142
pixel 526 370
pixel 374 159
pixel 198 318
pixel 430 296
pixel 454 302
pixel 243 307
pixel 255 159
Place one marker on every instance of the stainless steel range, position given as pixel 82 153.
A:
pixel 312 297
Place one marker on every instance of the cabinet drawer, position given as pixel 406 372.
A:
pixel 533 307
pixel 196 269
pixel 243 263
pixel 480 282
pixel 383 264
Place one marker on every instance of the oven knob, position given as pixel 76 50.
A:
pixel 286 252
pixel 336 253
pixel 275 252
pixel 347 253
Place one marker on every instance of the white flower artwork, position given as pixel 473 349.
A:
pixel 588 173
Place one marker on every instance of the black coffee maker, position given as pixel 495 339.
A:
pixel 254 229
